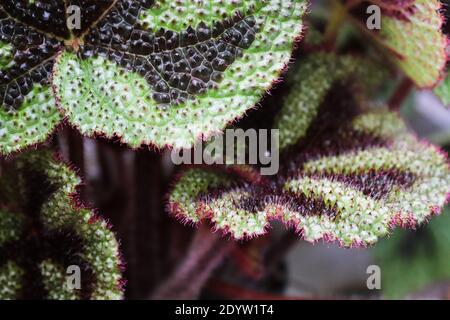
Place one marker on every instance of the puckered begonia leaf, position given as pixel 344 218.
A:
pixel 311 81
pixel 28 112
pixel 353 196
pixel 411 33
pixel 46 238
pixel 166 73
pixel 353 175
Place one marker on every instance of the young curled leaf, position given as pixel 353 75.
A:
pixel 354 195
pixel 28 112
pixel 411 33
pixel 50 247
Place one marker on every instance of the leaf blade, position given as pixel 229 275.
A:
pixel 41 191
pixel 161 121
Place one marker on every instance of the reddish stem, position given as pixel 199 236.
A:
pixel 400 94
pixel 204 255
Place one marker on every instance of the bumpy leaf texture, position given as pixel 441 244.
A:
pixel 411 33
pixel 314 78
pixel 350 177
pixel 148 71
pixel 43 232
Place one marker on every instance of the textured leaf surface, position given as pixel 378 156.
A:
pixel 180 83
pixel 352 174
pixel 424 254
pixel 312 81
pixel 150 72
pixel 43 232
pixel 354 196
pixel 412 35
pixel 28 112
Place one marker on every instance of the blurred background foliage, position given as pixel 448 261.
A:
pixel 412 260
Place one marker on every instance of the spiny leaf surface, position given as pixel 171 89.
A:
pixel 353 197
pixel 352 175
pixel 43 231
pixel 311 81
pixel 172 73
pixel 28 113
pixel 150 72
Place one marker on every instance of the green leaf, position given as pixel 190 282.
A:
pixel 411 33
pixel 352 196
pixel 351 174
pixel 43 231
pixel 150 72
pixel 176 81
